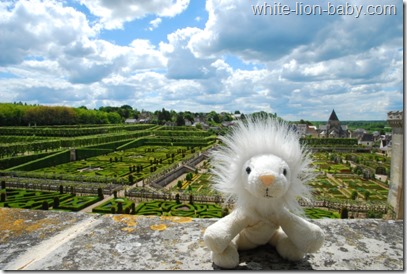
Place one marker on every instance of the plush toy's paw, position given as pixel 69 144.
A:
pixel 288 250
pixel 315 240
pixel 229 258
pixel 214 241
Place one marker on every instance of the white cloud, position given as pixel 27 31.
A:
pixel 113 14
pixel 182 63
pixel 155 23
pixel 35 28
pixel 298 67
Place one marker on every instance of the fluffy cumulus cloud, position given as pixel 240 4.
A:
pixel 333 56
pixel 113 14
pixel 298 66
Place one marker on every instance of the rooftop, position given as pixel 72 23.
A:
pixel 52 240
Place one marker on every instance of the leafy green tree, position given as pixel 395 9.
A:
pixel 354 195
pixel 180 120
pixel 366 194
pixel 189 177
pixel 344 213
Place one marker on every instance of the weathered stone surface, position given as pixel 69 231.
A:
pixel 47 240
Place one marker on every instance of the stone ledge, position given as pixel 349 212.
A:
pixel 50 240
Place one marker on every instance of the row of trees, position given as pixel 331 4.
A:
pixel 19 114
pixel 35 115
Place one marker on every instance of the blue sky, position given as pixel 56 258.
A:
pixel 199 56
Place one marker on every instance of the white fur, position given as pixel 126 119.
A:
pixel 263 213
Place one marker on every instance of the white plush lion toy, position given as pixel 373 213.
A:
pixel 263 167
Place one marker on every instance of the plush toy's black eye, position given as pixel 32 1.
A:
pixel 248 170
pixel 285 172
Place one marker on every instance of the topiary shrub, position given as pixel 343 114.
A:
pixel 120 207
pixel 56 202
pixel 100 194
pixel 44 205
pixel 344 213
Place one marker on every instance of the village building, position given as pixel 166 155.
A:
pixel 366 140
pixel 333 128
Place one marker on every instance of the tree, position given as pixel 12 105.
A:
pixel 354 195
pixel 119 207
pixel 126 111
pixel 366 194
pixel 163 116
pixel 214 117
pixel 100 194
pixel 56 202
pixel 44 205
pixel 180 120
pixel 189 177
pixel 344 213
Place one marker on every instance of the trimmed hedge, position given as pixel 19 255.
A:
pixel 51 160
pixel 317 213
pixel 31 199
pixel 164 208
pixel 78 203
pixel 133 144
pixel 19 160
pixel 107 206
pixel 84 153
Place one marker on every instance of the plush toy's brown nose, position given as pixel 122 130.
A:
pixel 267 179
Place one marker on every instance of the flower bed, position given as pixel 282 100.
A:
pixel 32 199
pixel 163 208
pixel 317 213
pixel 78 203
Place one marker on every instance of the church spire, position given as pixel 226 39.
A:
pixel 333 116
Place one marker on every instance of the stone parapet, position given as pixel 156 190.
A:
pixel 51 240
pixel 395 119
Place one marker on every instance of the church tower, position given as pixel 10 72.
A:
pixel 333 120
pixel 333 128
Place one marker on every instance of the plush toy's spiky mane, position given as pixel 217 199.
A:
pixel 256 136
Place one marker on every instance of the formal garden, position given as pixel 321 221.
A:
pixel 31 199
pixel 126 166
pixel 70 168
pixel 342 178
